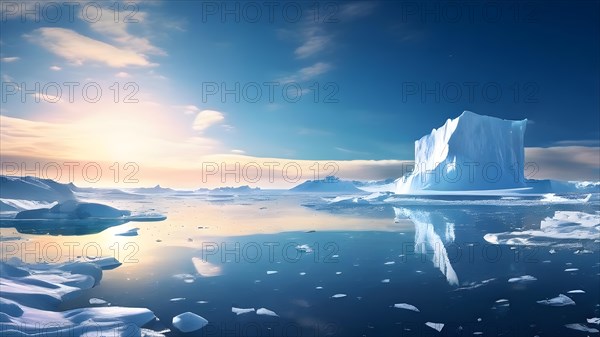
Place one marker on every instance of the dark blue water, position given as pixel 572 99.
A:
pixel 449 272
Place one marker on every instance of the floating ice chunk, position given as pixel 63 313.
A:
pixel 271 272
pixel 571 269
pixel 339 296
pixel 187 278
pixel 552 251
pixel 104 263
pixel 436 326
pixel 389 263
pixel 559 301
pixel 302 273
pixel 188 322
pixel 202 302
pixel 266 312
pixel 577 291
pixel 131 232
pixel 522 279
pixel 406 306
pixel 594 320
pixel 240 311
pixel 387 280
pixel 318 288
pixel 205 268
pixel 338 273
pixel 97 301
pixel 177 299
pixel 304 248
pixel 581 327
pixel 502 300
pixel 151 333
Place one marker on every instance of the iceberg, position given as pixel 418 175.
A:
pixel 406 306
pixel 468 153
pixel 266 312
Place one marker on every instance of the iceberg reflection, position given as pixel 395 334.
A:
pixel 427 239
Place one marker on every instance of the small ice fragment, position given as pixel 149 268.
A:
pixel 319 288
pixel 131 232
pixel 177 299
pixel 202 302
pixel 406 306
pixel 479 319
pixel 594 320
pixel 97 301
pixel 266 312
pixel 389 263
pixel 576 291
pixel 502 300
pixel 387 280
pixel 339 296
pixel 271 272
pixel 187 278
pixel 559 301
pixel 524 278
pixel 436 326
pixel 304 248
pixel 302 273
pixel 335 256
pixel 571 269
pixel 240 311
pixel 188 322
pixel 338 272
pixel 478 333
pixel 552 251
pixel 581 327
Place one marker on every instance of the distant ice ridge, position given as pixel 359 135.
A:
pixel 31 294
pixel 470 152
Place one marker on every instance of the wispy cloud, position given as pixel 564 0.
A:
pixel 308 73
pixel 10 59
pixel 79 49
pixel 55 68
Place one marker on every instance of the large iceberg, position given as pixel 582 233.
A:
pixel 468 153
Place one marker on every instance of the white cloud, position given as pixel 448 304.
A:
pixel 78 48
pixel 188 109
pixel 207 118
pixel 563 162
pixel 122 74
pixel 237 151
pixel 308 73
pixel 355 10
pixel 312 44
pixel 55 68
pixel 10 59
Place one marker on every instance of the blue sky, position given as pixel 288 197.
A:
pixel 386 72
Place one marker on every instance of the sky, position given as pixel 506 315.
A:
pixel 169 90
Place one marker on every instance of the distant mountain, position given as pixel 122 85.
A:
pixel 36 189
pixel 152 190
pixel 329 184
pixel 361 183
pixel 240 189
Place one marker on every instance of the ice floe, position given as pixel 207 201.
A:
pixel 32 292
pixel 271 272
pixel 188 322
pixel 406 306
pixel 266 312
pixel 577 291
pixel 436 326
pixel 522 279
pixel 563 226
pixel 241 311
pixel 130 232
pixel 559 301
pixel 581 327
pixel 97 301
pixel 339 296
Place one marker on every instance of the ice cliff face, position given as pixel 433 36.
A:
pixel 470 152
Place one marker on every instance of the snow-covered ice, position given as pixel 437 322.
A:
pixel 581 327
